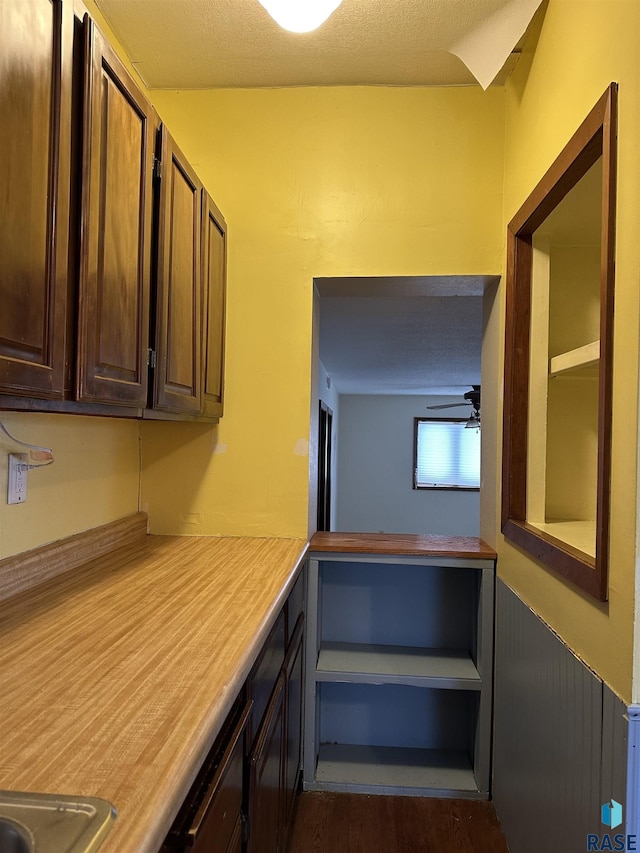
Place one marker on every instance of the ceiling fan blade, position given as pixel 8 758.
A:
pixel 449 405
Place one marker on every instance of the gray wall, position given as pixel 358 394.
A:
pixel 559 737
pixel 374 484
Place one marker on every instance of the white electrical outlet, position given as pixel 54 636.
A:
pixel 18 468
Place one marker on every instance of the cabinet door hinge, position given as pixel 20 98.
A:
pixel 151 357
pixel 157 168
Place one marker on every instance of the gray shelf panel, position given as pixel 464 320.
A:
pixel 383 769
pixel 375 664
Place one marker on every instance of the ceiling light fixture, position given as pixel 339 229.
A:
pixel 300 16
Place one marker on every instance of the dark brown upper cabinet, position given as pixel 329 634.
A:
pixel 559 358
pixel 113 255
pixel 36 43
pixel 115 236
pixel 178 298
pixel 214 268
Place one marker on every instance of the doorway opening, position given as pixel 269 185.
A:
pixel 386 348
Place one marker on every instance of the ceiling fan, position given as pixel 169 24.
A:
pixel 471 398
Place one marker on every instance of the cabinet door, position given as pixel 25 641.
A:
pixel 263 677
pixel 293 739
pixel 266 779
pixel 214 272
pixel 177 386
pixel 235 845
pixel 35 116
pixel 115 243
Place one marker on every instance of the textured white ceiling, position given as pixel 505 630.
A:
pixel 402 336
pixel 197 44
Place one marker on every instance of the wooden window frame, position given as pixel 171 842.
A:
pixel 596 137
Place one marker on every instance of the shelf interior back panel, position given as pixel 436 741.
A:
pixel 397 716
pixel 399 605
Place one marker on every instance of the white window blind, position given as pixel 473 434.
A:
pixel 447 455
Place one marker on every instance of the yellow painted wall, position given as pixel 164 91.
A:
pixel 583 45
pixel 93 480
pixel 312 182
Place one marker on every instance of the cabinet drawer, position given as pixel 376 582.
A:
pixel 264 674
pixel 295 605
pixel 215 822
pixel 212 813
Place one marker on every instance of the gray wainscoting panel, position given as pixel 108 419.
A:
pixel 615 728
pixel 633 771
pixel 547 736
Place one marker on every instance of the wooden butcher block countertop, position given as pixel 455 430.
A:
pixel 117 675
pixel 405 544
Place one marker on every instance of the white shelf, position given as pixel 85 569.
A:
pixel 575 359
pixel 578 534
pixel 377 664
pixel 374 769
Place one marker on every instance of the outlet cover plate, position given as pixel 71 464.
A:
pixel 17 480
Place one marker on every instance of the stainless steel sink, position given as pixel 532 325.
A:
pixel 49 823
pixel 15 838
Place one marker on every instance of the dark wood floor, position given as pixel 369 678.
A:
pixel 352 823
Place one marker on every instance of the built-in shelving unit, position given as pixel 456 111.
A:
pixel 399 667
pixel 562 454
pixel 559 358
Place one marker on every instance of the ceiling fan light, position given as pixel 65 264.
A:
pixel 473 422
pixel 300 16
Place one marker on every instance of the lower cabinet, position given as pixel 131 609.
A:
pixel 265 778
pixel 275 761
pixel 243 798
pixel 294 725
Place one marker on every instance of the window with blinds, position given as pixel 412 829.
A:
pixel 446 455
